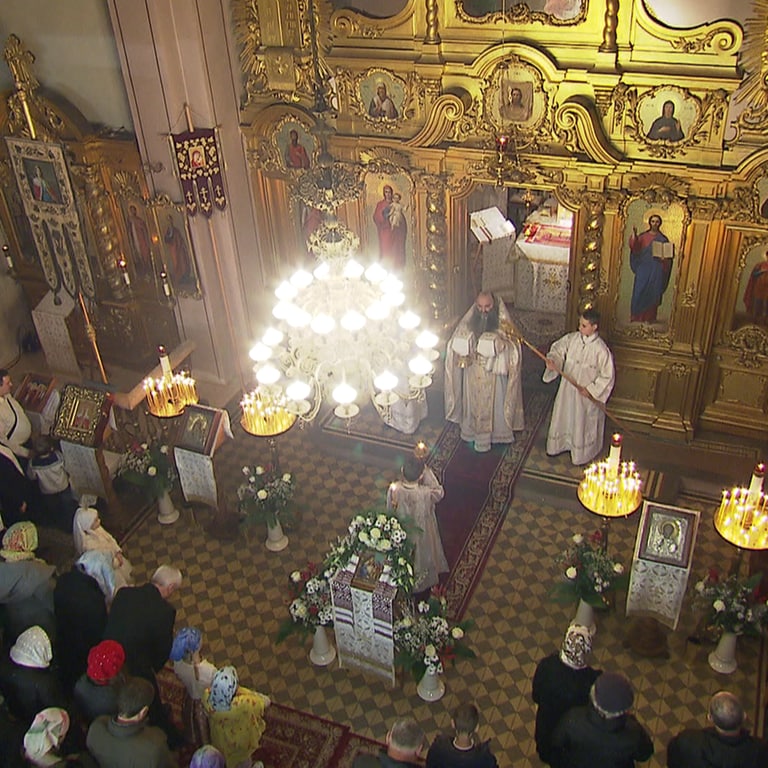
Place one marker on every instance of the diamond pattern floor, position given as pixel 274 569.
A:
pixel 235 592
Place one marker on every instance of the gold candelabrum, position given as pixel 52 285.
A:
pixel 742 517
pixel 611 488
pixel 168 395
pixel 265 414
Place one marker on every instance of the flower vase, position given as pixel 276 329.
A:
pixel 166 512
pixel 276 541
pixel 723 658
pixel 322 653
pixel 431 687
pixel 585 617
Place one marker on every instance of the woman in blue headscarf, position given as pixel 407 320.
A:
pixel 236 717
pixel 197 674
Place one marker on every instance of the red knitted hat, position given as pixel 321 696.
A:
pixel 105 660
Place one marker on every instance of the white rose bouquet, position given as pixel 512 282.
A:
pixel 425 641
pixel 148 466
pixel 733 604
pixel 264 495
pixel 309 595
pixel 588 572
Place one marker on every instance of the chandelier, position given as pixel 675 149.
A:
pixel 342 333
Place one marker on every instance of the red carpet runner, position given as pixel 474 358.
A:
pixel 478 491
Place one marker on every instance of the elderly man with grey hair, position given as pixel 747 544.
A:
pixel 141 620
pixel 725 744
pixel 405 744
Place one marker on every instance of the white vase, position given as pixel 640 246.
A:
pixel 166 512
pixel 322 653
pixel 431 687
pixel 723 658
pixel 585 617
pixel 276 539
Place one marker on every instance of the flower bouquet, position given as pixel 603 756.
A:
pixel 309 592
pixel 264 495
pixel 589 573
pixel 733 604
pixel 425 641
pixel 149 467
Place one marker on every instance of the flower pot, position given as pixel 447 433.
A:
pixel 166 512
pixel 322 653
pixel 276 539
pixel 723 658
pixel 431 687
pixel 585 617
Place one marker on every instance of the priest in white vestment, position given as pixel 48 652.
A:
pixel 414 497
pixel 483 385
pixel 577 423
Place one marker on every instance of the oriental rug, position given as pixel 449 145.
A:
pixel 292 739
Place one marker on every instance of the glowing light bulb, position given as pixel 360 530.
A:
pixel 385 381
pixel 344 394
pixel 267 374
pixel 260 352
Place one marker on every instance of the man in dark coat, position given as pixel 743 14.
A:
pixel 141 620
pixel 602 733
pixel 26 591
pixel 81 616
pixel 726 744
pixel 561 681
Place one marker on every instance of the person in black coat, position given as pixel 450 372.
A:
pixel 81 617
pixel 26 591
pixel 27 681
pixel 561 681
pixel 602 733
pixel 141 620
pixel 727 744
pixel 463 748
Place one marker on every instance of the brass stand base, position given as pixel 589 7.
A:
pixel 646 637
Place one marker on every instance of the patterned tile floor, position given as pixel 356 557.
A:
pixel 235 592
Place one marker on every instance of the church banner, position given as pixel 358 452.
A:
pixel 197 158
pixel 46 193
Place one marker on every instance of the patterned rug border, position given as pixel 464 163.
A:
pixel 465 575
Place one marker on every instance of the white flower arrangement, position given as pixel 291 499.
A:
pixel 264 496
pixel 733 604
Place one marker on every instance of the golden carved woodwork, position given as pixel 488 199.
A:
pixel 586 139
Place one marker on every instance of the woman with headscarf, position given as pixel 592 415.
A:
pixel 561 681
pixel 89 534
pixel 80 601
pixel 207 757
pixel 197 674
pixel 96 690
pixel 236 717
pixel 26 679
pixel 19 542
pixel 43 741
pixel 26 584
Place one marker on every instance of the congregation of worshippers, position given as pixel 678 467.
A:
pixel 82 648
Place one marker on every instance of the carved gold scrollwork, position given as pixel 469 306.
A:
pixel 690 296
pixel 657 187
pixel 678 370
pixel 580 130
pixel 520 13
pixel 446 111
pixel 100 209
pixel 741 205
pixel 720 38
pixel 751 342
pixel 437 244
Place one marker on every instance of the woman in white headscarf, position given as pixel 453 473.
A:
pixel 89 534
pixel 26 679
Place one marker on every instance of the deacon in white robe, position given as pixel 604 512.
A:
pixel 15 427
pixel 577 423
pixel 483 385
pixel 414 497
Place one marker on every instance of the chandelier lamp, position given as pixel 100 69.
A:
pixel 342 333
pixel 611 488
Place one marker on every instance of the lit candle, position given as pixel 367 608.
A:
pixel 756 485
pixel 393 495
pixel 166 284
pixel 165 363
pixel 615 455
pixel 8 258
pixel 420 450
pixel 123 265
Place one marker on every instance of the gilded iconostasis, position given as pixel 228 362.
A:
pixel 625 146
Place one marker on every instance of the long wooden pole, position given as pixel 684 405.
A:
pixel 583 392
